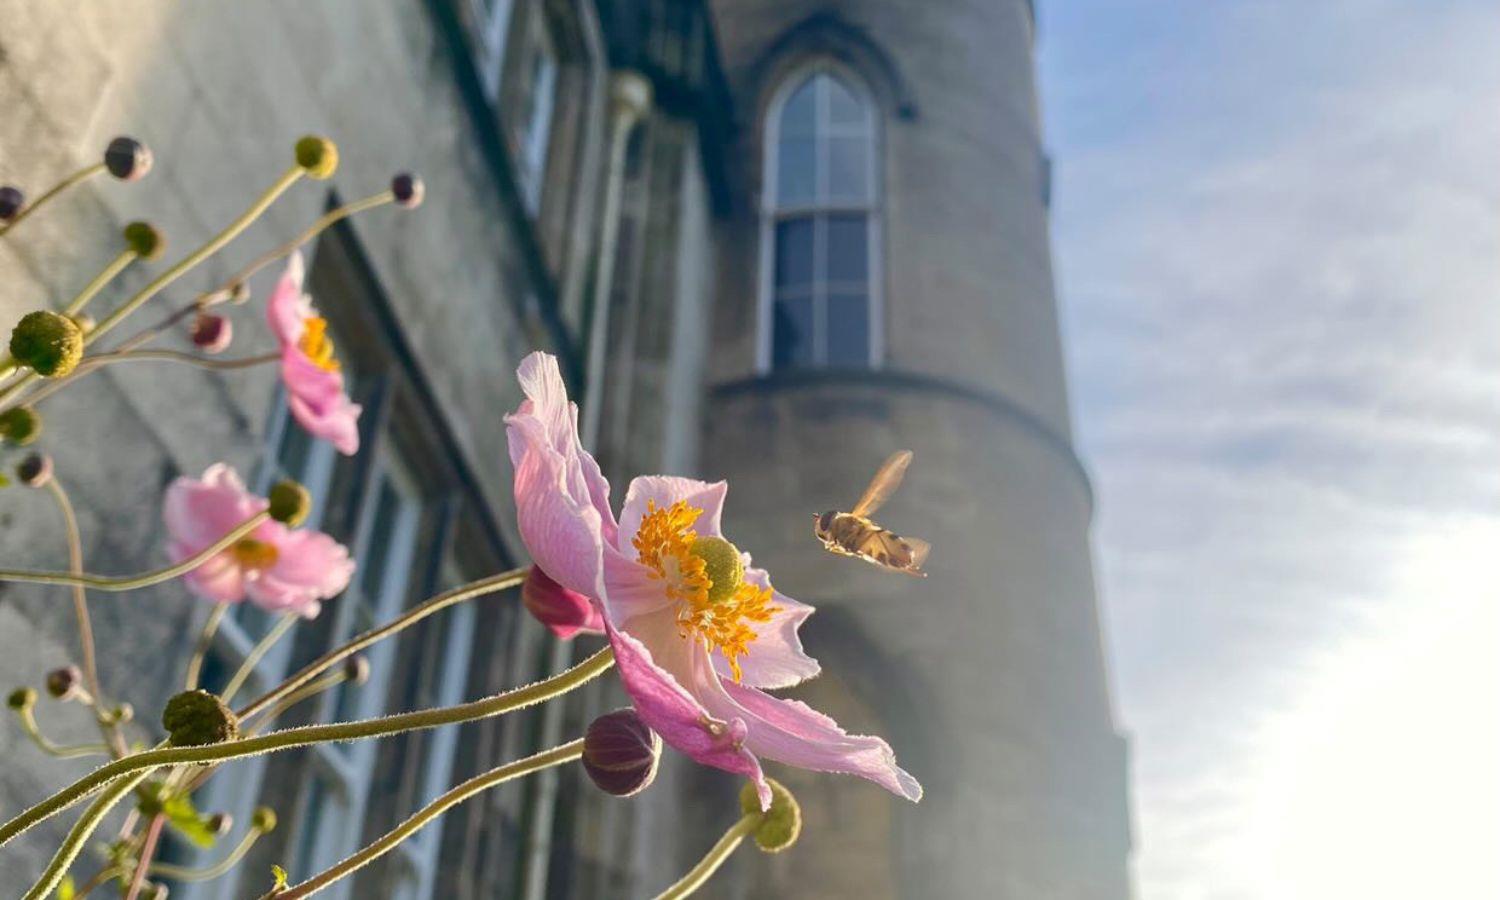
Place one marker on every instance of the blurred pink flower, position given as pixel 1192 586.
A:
pixel 695 668
pixel 309 368
pixel 277 568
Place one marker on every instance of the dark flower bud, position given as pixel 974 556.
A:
pixel 357 669
pixel 35 470
pixel 20 425
pixel 290 503
pixel 127 158
pixel 620 753
pixel 219 824
pixel 408 190
pixel 63 683
pixel 781 824
pixel 198 718
pixel 239 293
pixel 12 201
pixel 212 333
pixel 564 612
pixel 49 343
pixel 318 156
pixel 145 240
pixel 22 698
pixel 264 819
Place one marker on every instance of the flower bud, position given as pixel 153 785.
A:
pixel 122 714
pixel 318 156
pixel 22 698
pixel 781 824
pixel 219 824
pixel 264 819
pixel 155 891
pixel 564 612
pixel 620 753
pixel 12 201
pixel 35 470
pixel 290 503
pixel 357 669
pixel 145 240
pixel 723 565
pixel 127 158
pixel 84 321
pixel 20 425
pixel 239 293
pixel 49 343
pixel 63 683
pixel 408 190
pixel 212 333
pixel 198 718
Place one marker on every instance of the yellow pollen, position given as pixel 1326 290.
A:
pixel 665 546
pixel 253 554
pixel 317 345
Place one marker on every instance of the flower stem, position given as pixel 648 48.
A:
pixel 411 617
pixel 91 363
pixel 78 836
pixel 118 583
pixel 218 869
pixel 282 626
pixel 214 244
pixel 387 842
pixel 105 276
pixel 146 761
pixel 699 875
pixel 78 177
pixel 61 751
pixel 205 640
pixel 148 850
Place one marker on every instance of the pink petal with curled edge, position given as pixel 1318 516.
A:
pixel 197 512
pixel 665 705
pixel 664 490
pixel 287 308
pixel 776 658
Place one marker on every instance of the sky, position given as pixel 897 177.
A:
pixel 1277 234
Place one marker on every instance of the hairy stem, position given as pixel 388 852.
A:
pixel 92 363
pixel 116 583
pixel 699 875
pixel 150 760
pixel 62 751
pixel 209 873
pixel 78 836
pixel 387 842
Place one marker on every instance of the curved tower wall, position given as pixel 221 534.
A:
pixel 987 677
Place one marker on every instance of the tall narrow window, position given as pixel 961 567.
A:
pixel 491 25
pixel 535 97
pixel 821 219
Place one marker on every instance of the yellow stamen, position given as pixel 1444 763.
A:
pixel 317 345
pixel 253 554
pixel 665 546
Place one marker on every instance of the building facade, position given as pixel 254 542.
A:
pixel 769 240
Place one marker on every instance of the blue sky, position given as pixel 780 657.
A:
pixel 1277 229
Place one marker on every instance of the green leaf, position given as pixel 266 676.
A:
pixel 65 890
pixel 183 816
pixel 278 873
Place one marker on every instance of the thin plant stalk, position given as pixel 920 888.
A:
pixel 209 873
pixel 148 850
pixel 27 717
pixel 105 276
pixel 78 836
pixel 77 177
pixel 117 583
pixel 388 842
pixel 257 653
pixel 150 760
pixel 205 640
pixel 92 363
pixel 699 875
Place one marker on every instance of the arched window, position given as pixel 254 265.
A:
pixel 819 285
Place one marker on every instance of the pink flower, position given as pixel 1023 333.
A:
pixel 309 368
pixel 697 668
pixel 279 569
pixel 564 612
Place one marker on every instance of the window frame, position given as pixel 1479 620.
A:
pixel 772 211
pixel 532 137
pixel 492 27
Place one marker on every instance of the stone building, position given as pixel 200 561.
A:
pixel 770 240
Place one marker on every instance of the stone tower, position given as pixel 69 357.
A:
pixel 885 283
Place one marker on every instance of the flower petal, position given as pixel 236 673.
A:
pixel 219 579
pixel 287 307
pixel 665 705
pixel 664 490
pixel 776 658
pixel 312 561
pixel 197 512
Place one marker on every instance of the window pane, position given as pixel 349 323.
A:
pixel 793 332
pixel 796 173
pixel 848 169
pixel 799 115
pixel 848 259
pixel 848 329
pixel 844 108
pixel 794 253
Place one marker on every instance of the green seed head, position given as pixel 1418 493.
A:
pixel 725 568
pixel 145 240
pixel 48 343
pixel 290 503
pixel 318 155
pixel 198 718
pixel 20 426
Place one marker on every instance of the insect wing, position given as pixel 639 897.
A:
pixel 884 483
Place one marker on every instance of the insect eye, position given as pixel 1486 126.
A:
pixel 825 520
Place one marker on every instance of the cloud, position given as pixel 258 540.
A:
pixel 1278 238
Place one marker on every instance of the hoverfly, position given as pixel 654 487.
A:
pixel 854 534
